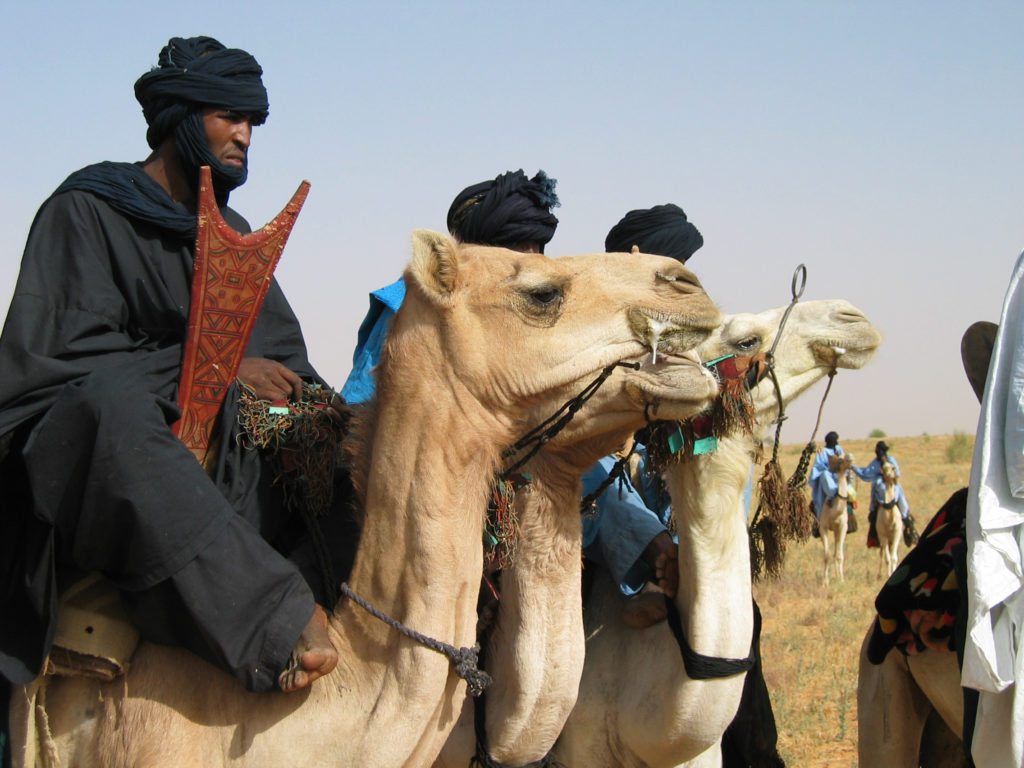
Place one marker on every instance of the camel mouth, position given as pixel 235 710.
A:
pixel 672 386
pixel 847 353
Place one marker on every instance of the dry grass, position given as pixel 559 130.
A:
pixel 811 636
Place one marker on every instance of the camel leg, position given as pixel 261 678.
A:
pixel 828 557
pixel 840 553
pixel 891 712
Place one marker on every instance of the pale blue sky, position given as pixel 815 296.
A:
pixel 879 143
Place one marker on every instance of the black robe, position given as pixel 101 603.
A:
pixel 99 314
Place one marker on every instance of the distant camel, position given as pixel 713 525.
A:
pixel 833 519
pixel 888 523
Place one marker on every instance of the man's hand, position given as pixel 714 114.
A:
pixel 339 411
pixel 269 379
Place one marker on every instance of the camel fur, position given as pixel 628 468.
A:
pixel 833 521
pixel 888 524
pixel 906 707
pixel 637 705
pixel 485 338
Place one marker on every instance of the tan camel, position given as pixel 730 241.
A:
pixel 534 650
pixel 833 521
pixel 907 707
pixel 447 405
pixel 638 705
pixel 888 524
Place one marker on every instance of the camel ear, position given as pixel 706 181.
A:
pixel 434 265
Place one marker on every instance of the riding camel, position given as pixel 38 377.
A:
pixel 639 704
pixel 447 406
pixel 833 521
pixel 888 524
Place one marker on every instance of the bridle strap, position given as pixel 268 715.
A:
pixel 701 667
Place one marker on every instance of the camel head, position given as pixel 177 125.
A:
pixel 840 463
pixel 514 335
pixel 888 473
pixel 819 336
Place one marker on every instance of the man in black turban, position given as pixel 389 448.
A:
pixel 511 211
pixel 662 230
pixel 93 477
pixel 630 535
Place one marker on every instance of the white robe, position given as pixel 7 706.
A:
pixel 993 657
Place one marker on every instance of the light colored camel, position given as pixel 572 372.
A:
pixel 534 650
pixel 484 338
pixel 638 705
pixel 897 702
pixel 888 524
pixel 833 521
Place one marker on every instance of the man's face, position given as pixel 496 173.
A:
pixel 228 135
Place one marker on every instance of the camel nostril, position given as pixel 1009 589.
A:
pixel 850 316
pixel 682 283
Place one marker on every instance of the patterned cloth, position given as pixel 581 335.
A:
pixel 926 580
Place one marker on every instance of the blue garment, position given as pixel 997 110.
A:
pixel 627 520
pixel 824 484
pixel 878 497
pixel 873 471
pixel 384 303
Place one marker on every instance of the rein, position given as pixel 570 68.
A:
pixel 543 432
pixel 797 289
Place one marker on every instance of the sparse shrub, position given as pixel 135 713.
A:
pixel 876 433
pixel 960 448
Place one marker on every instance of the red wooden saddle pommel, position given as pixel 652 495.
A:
pixel 231 277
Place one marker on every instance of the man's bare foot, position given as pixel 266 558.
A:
pixel 313 656
pixel 644 609
pixel 662 556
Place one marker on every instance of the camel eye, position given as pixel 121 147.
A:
pixel 749 343
pixel 545 297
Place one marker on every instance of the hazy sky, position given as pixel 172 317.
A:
pixel 878 143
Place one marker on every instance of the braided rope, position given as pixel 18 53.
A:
pixel 543 432
pixel 588 501
pixel 463 660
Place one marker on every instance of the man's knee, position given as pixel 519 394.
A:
pixel 107 397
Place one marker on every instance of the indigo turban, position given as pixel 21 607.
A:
pixel 662 230
pixel 508 211
pixel 195 72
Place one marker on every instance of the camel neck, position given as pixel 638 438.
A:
pixel 714 555
pixel 538 638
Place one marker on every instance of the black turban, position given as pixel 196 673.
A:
pixel 508 211
pixel 195 72
pixel 831 439
pixel 662 230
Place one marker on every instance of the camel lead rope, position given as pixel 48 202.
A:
pixel 463 660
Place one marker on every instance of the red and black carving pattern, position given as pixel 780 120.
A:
pixel 231 278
